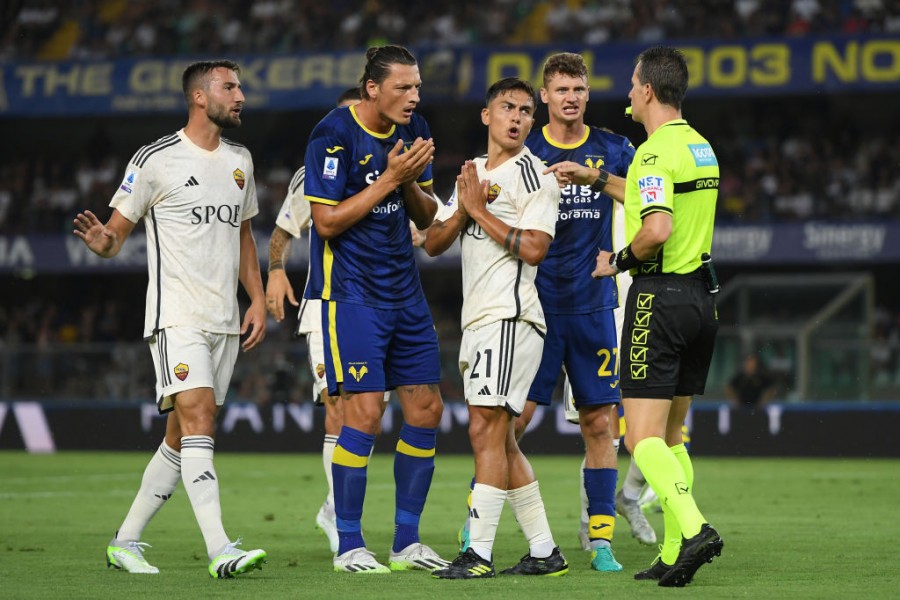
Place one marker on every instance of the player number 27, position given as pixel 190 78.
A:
pixel 608 355
pixel 487 364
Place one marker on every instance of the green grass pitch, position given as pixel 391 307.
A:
pixel 793 528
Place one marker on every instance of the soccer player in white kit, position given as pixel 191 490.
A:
pixel 196 193
pixel 504 213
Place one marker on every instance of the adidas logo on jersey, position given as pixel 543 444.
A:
pixel 191 182
pixel 485 391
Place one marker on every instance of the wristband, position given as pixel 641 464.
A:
pixel 626 260
pixel 600 183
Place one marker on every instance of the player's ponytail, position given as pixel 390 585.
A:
pixel 379 60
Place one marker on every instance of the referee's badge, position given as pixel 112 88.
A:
pixel 238 178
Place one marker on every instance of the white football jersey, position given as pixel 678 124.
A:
pixel 193 202
pixel 496 284
pixel 623 279
pixel 295 217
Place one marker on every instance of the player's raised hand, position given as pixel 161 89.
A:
pixel 95 235
pixel 407 166
pixel 278 287
pixel 471 193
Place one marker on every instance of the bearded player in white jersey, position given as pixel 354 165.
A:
pixel 504 213
pixel 196 193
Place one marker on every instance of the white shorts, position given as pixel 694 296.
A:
pixel 186 358
pixel 498 362
pixel 315 345
pixel 316 355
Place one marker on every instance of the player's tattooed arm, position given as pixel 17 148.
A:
pixel 279 248
pixel 278 286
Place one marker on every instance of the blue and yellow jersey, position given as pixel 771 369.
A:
pixel 584 224
pixel 372 262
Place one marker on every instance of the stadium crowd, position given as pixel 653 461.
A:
pixel 95 29
pixel 772 171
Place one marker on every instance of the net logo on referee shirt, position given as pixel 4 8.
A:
pixel 653 189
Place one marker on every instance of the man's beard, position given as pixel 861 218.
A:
pixel 223 118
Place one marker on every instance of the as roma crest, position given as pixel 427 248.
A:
pixel 239 178
pixel 493 192
pixel 181 371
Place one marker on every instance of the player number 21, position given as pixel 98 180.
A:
pixel 606 356
pixel 487 364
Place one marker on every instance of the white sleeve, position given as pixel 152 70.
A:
pixel 445 211
pixel 295 215
pixel 538 210
pixel 135 195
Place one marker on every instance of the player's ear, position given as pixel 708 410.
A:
pixel 372 89
pixel 199 97
pixel 544 95
pixel 485 119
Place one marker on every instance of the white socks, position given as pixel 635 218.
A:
pixel 528 506
pixel 484 517
pixel 160 479
pixel 634 482
pixel 327 454
pixel 202 485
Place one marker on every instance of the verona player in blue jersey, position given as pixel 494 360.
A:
pixel 581 335
pixel 368 173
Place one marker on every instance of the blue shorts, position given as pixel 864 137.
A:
pixel 587 347
pixel 374 349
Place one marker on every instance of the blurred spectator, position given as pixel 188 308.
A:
pixel 751 387
pixel 188 27
pixel 796 176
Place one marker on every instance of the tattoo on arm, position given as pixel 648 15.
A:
pixel 513 240
pixel 279 248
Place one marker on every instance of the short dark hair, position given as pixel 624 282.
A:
pixel 508 84
pixel 195 74
pixel 348 94
pixel 379 60
pixel 564 63
pixel 665 69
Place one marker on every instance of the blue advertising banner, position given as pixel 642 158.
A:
pixel 811 243
pixel 768 66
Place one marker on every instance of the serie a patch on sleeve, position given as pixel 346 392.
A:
pixel 128 182
pixel 330 168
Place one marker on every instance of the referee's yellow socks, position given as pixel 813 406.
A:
pixel 668 479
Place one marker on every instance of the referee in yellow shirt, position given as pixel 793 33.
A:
pixel 670 314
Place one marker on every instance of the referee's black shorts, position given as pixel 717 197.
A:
pixel 668 336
